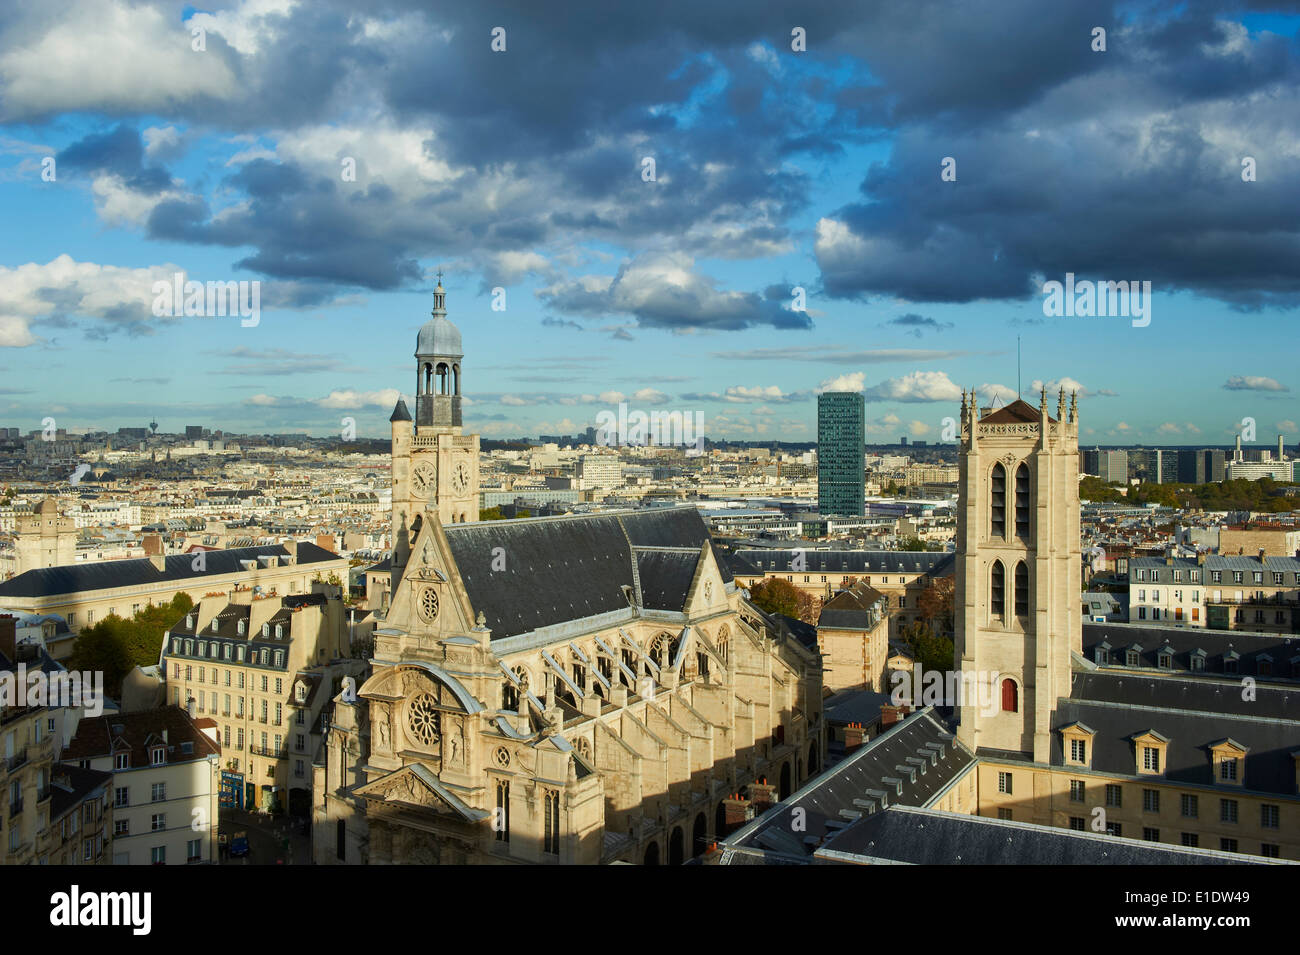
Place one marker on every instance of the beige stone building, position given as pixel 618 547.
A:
pixel 262 668
pixel 853 635
pixel 567 690
pixel 44 538
pixel 1142 737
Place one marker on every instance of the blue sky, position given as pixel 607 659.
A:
pixel 522 170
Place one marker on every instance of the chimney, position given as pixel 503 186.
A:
pixel 853 734
pixel 159 562
pixel 1261 555
pixel 762 794
pixel 1200 558
pixel 9 636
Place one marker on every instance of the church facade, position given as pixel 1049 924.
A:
pixel 585 689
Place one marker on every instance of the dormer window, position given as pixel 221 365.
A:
pixel 239 653
pixel 279 631
pixel 1230 660
pixel 266 629
pixel 1102 654
pixel 203 648
pixel 1228 759
pixel 300 692
pixel 1165 659
pixel 239 628
pixel 1150 749
pixel 215 623
pixel 157 755
pixel 189 621
pixel 1197 659
pixel 1076 741
pixel 1131 657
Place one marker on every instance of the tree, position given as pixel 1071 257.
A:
pixel 780 596
pixel 935 604
pixel 491 514
pixel 116 645
pixel 912 543
pixel 929 652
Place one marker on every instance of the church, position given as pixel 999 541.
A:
pixel 575 690
pixel 1099 743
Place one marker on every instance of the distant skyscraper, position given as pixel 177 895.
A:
pixel 841 469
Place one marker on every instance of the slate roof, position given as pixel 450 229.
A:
pixel 95 736
pixel 559 569
pixel 70 785
pixel 857 608
pixel 1192 712
pixel 753 562
pixel 904 834
pixel 1252 649
pixel 875 770
pixel 109 574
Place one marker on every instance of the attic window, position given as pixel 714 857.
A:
pixel 279 631
pixel 266 629
pixel 1165 660
pixel 189 621
pixel 187 748
pixel 215 622
pixel 1103 656
pixel 239 628
pixel 158 755
pixel 300 692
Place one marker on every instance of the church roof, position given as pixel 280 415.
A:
pixel 1018 412
pixel 560 569
pixel 400 413
pixel 439 337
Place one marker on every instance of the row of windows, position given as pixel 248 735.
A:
pixel 215 676
pixel 501 819
pixel 227 651
pixel 1216 576
pixel 1190 840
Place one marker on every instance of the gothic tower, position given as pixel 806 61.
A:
pixel 435 467
pixel 1017 590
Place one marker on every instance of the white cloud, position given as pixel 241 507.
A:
pixel 1254 383
pixel 853 381
pixel 915 386
pixel 385 398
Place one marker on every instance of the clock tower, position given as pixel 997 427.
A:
pixel 435 466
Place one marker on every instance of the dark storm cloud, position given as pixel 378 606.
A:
pixel 1123 165
pixel 119 152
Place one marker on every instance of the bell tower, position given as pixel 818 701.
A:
pixel 1018 619
pixel 435 467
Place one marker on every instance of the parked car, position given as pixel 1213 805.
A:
pixel 239 844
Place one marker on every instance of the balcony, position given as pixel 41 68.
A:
pixel 16 760
pixel 268 751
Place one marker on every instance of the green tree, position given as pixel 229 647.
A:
pixel 928 651
pixel 491 514
pixel 912 543
pixel 780 596
pixel 116 645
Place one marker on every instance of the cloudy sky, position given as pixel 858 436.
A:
pixel 339 153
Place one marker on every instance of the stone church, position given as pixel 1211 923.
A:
pixel 587 689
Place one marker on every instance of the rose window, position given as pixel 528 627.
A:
pixel 423 720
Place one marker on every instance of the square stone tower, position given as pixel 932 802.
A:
pixel 1018 557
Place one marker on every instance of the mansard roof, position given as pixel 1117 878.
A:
pixel 111 574
pixel 1193 713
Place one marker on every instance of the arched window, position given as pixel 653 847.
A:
pixel 1010 697
pixel 1022 590
pixel 501 822
pixel 1022 500
pixel 997 590
pixel 998 502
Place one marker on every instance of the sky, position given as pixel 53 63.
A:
pixel 844 196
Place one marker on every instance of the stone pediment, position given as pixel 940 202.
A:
pixel 417 787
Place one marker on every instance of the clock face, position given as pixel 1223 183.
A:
pixel 422 478
pixel 460 477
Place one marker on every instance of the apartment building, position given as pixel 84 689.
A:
pixel 164 783
pixel 1260 593
pixel 262 668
